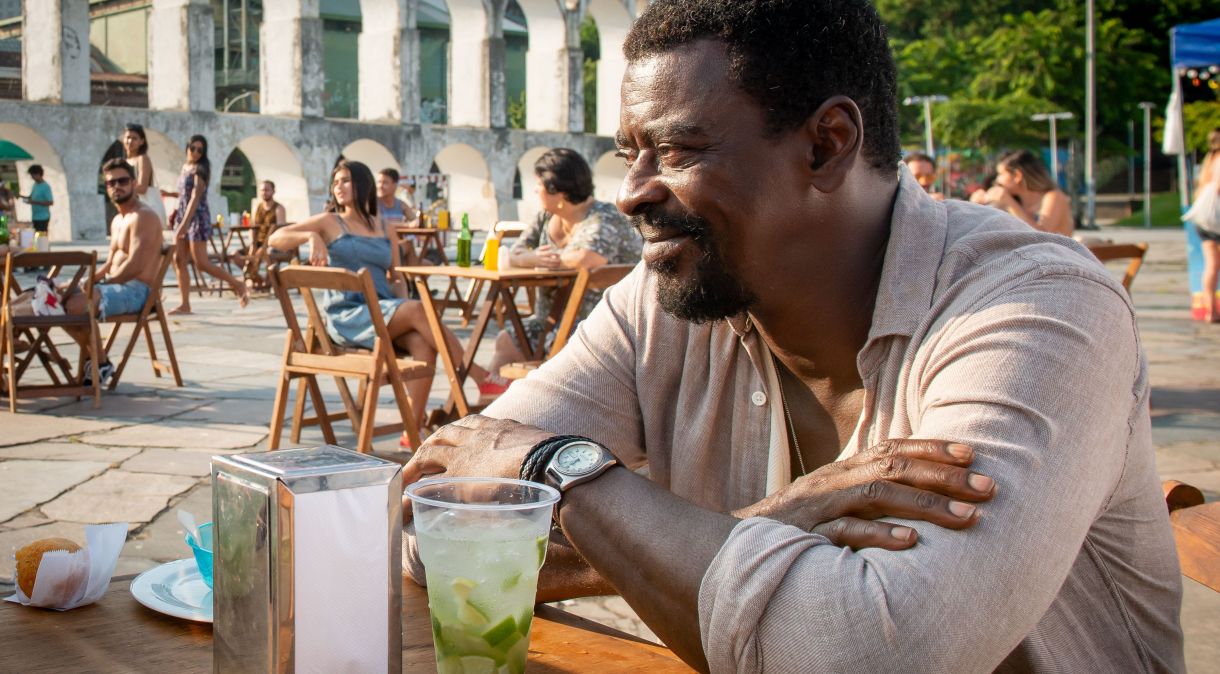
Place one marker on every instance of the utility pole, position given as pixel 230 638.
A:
pixel 1147 108
pixel 1090 105
pixel 1052 117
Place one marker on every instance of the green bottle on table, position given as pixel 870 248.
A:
pixel 3 229
pixel 463 243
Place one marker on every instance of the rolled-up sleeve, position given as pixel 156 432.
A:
pixel 1042 379
pixel 589 388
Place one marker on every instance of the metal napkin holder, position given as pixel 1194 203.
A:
pixel 308 561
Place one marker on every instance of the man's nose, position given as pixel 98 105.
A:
pixel 641 187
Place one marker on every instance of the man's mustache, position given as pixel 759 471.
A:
pixel 655 221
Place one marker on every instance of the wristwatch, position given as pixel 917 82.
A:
pixel 576 463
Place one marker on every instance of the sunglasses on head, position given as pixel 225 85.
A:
pixel 118 182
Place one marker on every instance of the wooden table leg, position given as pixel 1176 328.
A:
pixel 510 308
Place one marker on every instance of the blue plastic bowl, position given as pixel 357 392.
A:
pixel 203 553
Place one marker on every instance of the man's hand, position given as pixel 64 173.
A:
pixel 912 479
pixel 472 446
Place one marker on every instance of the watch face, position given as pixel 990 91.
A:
pixel 578 458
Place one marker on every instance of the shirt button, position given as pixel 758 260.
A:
pixel 758 398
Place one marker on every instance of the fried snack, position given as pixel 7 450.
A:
pixel 29 557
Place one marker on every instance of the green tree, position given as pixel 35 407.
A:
pixel 590 46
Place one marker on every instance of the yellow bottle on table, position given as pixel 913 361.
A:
pixel 491 254
pixel 442 219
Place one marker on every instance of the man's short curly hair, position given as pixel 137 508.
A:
pixel 790 56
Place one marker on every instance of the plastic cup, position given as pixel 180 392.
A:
pixel 203 552
pixel 482 542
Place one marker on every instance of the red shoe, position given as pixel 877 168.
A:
pixel 493 385
pixel 404 441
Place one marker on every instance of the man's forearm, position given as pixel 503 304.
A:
pixel 567 575
pixel 652 547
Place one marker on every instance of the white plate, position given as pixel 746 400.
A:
pixel 175 589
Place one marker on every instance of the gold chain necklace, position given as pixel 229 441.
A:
pixel 796 443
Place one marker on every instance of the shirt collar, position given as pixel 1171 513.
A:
pixel 918 230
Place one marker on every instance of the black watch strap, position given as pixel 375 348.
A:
pixel 533 468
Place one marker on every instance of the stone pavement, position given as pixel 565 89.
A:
pixel 146 452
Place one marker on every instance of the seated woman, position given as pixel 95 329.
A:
pixel 1024 188
pixel 349 235
pixel 573 230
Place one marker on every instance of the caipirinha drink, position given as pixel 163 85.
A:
pixel 482 543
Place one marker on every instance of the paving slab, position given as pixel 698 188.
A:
pixel 28 484
pixel 23 428
pixel 162 539
pixel 197 435
pixel 133 408
pixel 68 451
pixel 118 496
pixel 170 462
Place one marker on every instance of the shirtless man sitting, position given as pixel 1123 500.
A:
pixel 122 284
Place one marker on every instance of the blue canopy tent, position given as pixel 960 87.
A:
pixel 1193 46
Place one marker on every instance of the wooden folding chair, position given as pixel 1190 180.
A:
pixel 1122 251
pixel 1196 527
pixel 311 353
pixel 153 309
pixel 600 278
pixel 38 330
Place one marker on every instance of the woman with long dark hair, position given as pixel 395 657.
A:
pixel 192 223
pixel 349 235
pixel 135 150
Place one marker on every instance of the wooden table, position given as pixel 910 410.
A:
pixel 117 634
pixel 500 288
pixel 429 239
pixel 1197 532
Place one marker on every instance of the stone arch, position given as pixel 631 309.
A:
pixel 470 185
pixel 608 174
pixel 613 22
pixel 372 154
pixel 54 174
pixel 273 159
pixel 546 77
pixel 527 205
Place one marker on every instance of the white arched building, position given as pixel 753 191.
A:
pixel 290 141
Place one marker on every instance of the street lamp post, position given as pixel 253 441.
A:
pixel 927 102
pixel 1052 117
pixel 1147 108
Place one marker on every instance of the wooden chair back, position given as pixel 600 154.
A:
pixel 153 309
pixel 1196 527
pixel 38 328
pixel 587 281
pixel 1106 252
pixel 311 352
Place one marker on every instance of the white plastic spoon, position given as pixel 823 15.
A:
pixel 188 520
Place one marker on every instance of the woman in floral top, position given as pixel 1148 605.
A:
pixel 573 230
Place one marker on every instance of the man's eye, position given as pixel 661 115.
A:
pixel 627 156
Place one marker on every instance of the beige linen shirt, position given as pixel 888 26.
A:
pixel 986 332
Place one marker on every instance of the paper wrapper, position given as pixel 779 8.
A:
pixel 67 580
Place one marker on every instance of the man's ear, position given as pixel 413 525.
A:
pixel 834 134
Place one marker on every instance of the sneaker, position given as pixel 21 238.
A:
pixel 105 370
pixel 493 385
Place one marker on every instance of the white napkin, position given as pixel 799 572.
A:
pixel 67 580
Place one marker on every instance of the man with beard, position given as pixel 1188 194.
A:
pixel 121 285
pixel 824 369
